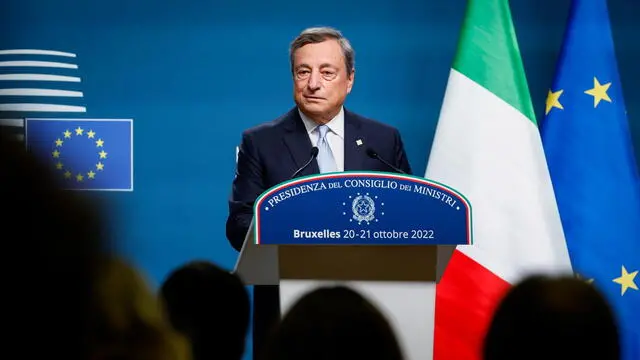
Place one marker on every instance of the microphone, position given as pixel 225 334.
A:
pixel 374 155
pixel 314 154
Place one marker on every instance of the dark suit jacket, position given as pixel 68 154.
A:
pixel 270 153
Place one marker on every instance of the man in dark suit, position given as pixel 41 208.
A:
pixel 322 65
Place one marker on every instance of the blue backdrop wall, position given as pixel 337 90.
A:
pixel 194 74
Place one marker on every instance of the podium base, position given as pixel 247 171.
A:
pixel 408 306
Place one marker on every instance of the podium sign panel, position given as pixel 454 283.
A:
pixel 362 208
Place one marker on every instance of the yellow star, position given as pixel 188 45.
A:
pixel 91 134
pixel 67 174
pixel 59 142
pixel 56 154
pixel 103 155
pixel 67 134
pixel 599 92
pixel 99 142
pixel 100 166
pixel 553 101
pixel 91 174
pixel 626 280
pixel 79 131
pixel 59 166
pixel 79 177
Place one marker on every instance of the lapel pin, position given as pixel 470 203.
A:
pixel 359 142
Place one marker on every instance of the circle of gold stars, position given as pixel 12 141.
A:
pixel 67 173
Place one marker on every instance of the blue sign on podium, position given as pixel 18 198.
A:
pixel 362 208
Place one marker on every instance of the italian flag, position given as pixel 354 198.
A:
pixel 488 147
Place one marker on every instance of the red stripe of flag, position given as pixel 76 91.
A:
pixel 466 298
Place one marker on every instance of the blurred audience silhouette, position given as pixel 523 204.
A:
pixel 333 323
pixel 68 295
pixel 552 318
pixel 129 322
pixel 52 239
pixel 211 307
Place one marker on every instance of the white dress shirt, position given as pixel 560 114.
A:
pixel 335 135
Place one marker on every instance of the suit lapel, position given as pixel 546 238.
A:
pixel 354 147
pixel 297 141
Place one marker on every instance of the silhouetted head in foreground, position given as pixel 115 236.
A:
pixel 211 307
pixel 552 318
pixel 129 322
pixel 333 323
pixel 51 239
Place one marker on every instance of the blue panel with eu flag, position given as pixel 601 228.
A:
pixel 593 169
pixel 88 154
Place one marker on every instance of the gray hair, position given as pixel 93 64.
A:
pixel 316 35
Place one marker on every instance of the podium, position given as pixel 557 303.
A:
pixel 388 236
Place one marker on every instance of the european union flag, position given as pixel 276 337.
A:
pixel 88 154
pixel 591 160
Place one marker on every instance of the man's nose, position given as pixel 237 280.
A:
pixel 314 81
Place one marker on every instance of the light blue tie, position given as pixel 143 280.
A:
pixel 326 162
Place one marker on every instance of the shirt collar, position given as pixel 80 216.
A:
pixel 336 125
